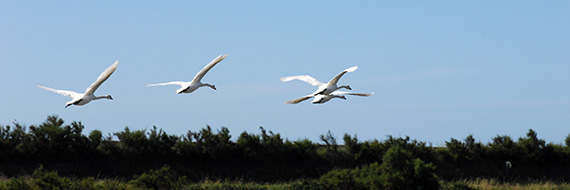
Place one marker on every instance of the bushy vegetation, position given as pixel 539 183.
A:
pixel 55 155
pixel 399 170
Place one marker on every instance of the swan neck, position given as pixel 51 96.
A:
pixel 101 97
pixel 209 85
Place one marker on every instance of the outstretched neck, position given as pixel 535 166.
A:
pixel 338 96
pixel 209 85
pixel 101 97
pixel 346 87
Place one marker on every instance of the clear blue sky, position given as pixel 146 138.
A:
pixel 440 69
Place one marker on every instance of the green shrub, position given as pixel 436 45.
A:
pixel 163 178
pixel 18 184
pixel 49 179
pixel 339 179
pixel 401 171
pixel 366 177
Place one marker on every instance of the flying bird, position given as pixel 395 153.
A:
pixel 323 89
pixel 82 99
pixel 319 99
pixel 188 87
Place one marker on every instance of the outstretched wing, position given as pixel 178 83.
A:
pixel 104 76
pixel 308 79
pixel 351 93
pixel 207 68
pixel 179 83
pixel 337 77
pixel 67 93
pixel 295 101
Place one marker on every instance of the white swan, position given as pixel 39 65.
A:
pixel 82 99
pixel 323 88
pixel 188 87
pixel 319 99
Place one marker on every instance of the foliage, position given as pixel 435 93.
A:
pixel 17 183
pixel 26 182
pixel 399 170
pixel 49 179
pixel 340 179
pixel 402 171
pixel 365 177
pixel 163 178
pixel 73 160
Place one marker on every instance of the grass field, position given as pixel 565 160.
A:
pixel 498 185
pixel 28 182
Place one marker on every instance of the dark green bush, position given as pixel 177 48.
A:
pixel 339 179
pixel 163 178
pixel 19 183
pixel 401 171
pixel 366 177
pixel 49 179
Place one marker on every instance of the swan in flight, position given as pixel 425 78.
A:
pixel 82 99
pixel 323 89
pixel 319 99
pixel 188 87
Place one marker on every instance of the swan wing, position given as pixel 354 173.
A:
pixel 67 93
pixel 295 101
pixel 308 79
pixel 104 76
pixel 207 68
pixel 337 77
pixel 179 83
pixel 351 93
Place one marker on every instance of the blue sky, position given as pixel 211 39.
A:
pixel 439 70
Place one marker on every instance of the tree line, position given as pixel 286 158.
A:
pixel 268 157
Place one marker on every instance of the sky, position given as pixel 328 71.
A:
pixel 439 69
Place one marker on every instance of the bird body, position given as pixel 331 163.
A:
pixel 322 88
pixel 88 96
pixel 188 87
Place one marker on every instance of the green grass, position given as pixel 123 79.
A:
pixel 495 184
pixel 29 182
